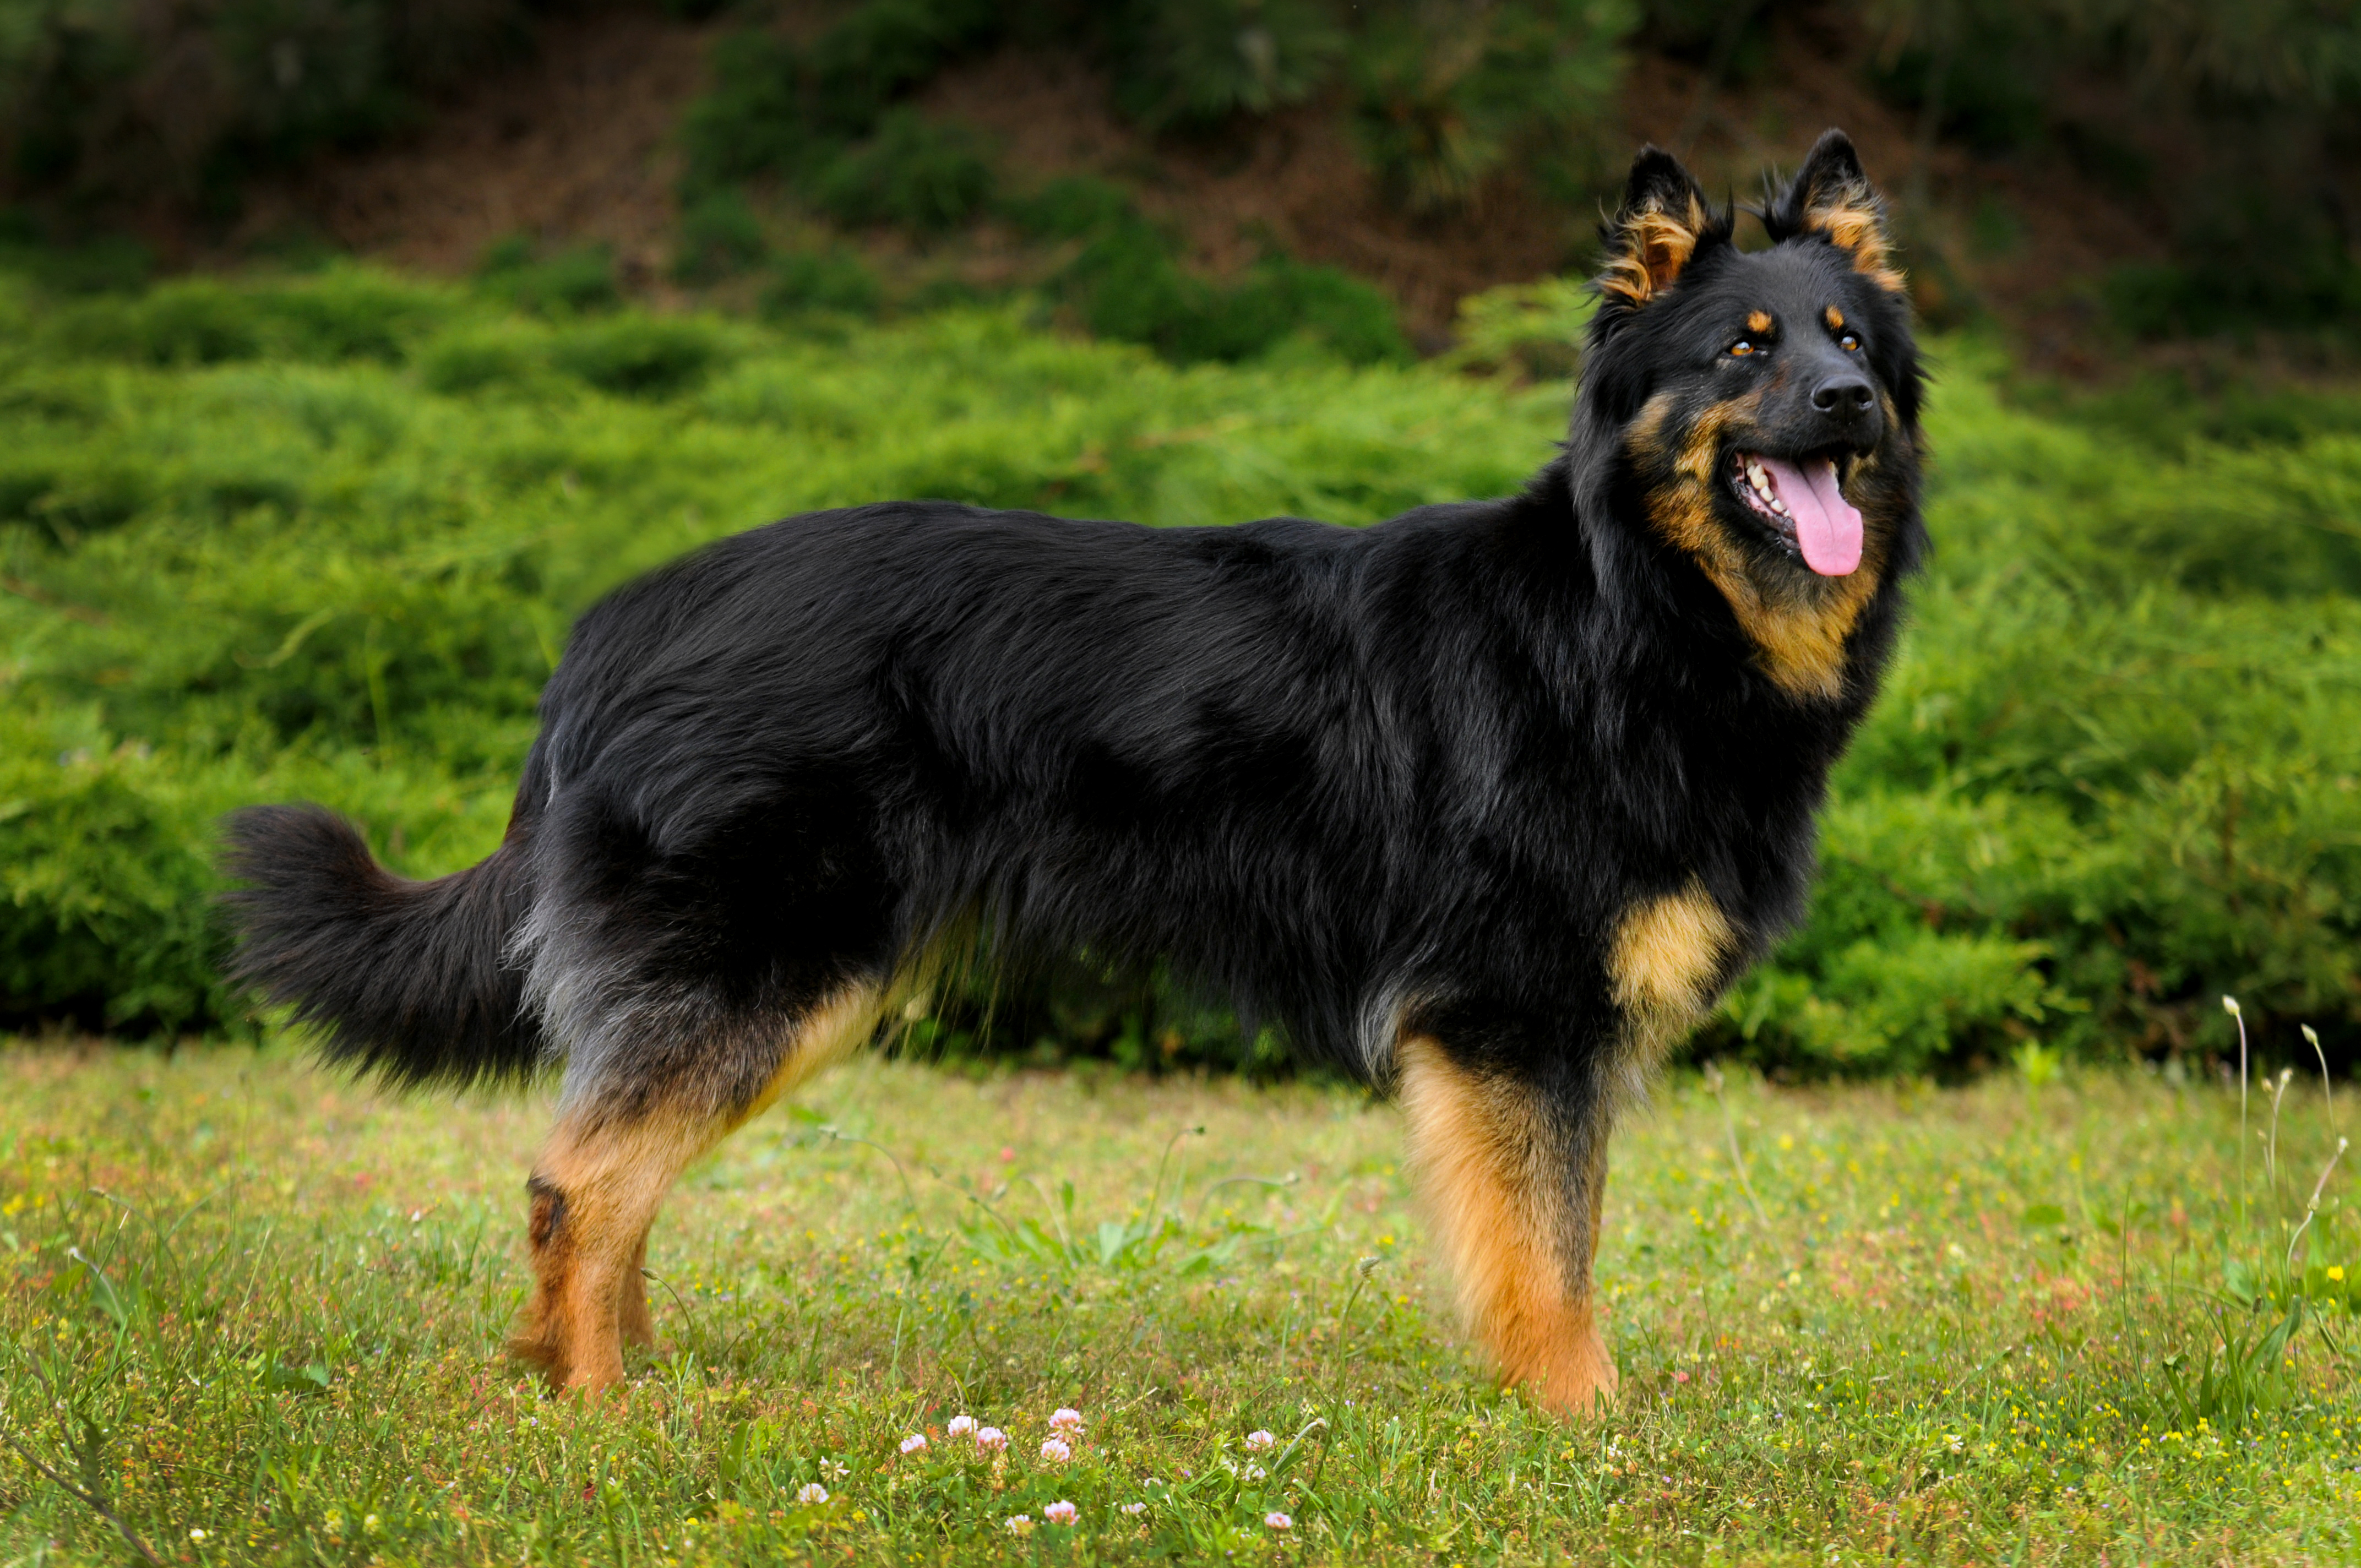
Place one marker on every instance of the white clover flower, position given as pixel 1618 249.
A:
pixel 812 1494
pixel 1019 1524
pixel 958 1426
pixel 1060 1513
pixel 1278 1521
pixel 1254 1473
pixel 1056 1450
pixel 1131 1509
pixel 990 1438
pixel 1261 1439
pixel 196 1535
pixel 1065 1420
pixel 914 1443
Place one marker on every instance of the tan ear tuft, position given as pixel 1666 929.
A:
pixel 1831 196
pixel 1859 225
pixel 1656 232
pixel 1657 246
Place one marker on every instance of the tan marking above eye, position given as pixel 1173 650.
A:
pixel 1758 321
pixel 1834 317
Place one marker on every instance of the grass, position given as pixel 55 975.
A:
pixel 256 1313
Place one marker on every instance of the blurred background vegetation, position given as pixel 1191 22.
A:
pixel 350 347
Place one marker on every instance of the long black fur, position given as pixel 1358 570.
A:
pixel 403 977
pixel 1357 779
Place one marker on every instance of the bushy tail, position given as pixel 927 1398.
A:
pixel 401 978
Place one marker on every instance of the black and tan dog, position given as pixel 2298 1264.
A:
pixel 1487 803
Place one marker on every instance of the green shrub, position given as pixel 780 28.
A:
pixel 753 119
pixel 340 313
pixel 1204 60
pixel 1448 96
pixel 1073 206
pixel 107 890
pixel 2112 777
pixel 108 100
pixel 638 356
pixel 1130 288
pixel 719 236
pixel 881 49
pixel 2301 285
pixel 475 358
pixel 193 322
pixel 837 282
pixel 915 173
pixel 775 109
pixel 575 281
pixel 104 264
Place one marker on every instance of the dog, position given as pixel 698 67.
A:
pixel 1487 804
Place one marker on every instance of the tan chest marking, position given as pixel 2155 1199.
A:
pixel 1667 954
pixel 1800 630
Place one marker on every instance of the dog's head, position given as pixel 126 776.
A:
pixel 1762 405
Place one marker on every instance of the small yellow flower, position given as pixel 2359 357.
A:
pixel 2336 1271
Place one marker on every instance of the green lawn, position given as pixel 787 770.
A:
pixel 258 1314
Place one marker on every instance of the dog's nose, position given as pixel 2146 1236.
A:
pixel 1845 397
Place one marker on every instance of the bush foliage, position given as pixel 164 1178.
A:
pixel 323 540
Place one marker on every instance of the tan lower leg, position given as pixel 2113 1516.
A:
pixel 596 1188
pixel 638 1326
pixel 1516 1225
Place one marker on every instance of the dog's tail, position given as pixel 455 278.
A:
pixel 402 978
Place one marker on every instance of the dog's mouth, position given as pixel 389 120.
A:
pixel 1799 501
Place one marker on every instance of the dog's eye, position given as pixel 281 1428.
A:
pixel 1849 343
pixel 1741 349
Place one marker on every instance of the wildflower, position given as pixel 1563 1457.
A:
pixel 1278 1521
pixel 1254 1473
pixel 1132 1508
pixel 1259 1440
pixel 2336 1271
pixel 1066 1420
pixel 958 1426
pixel 913 1443
pixel 1060 1513
pixel 990 1438
pixel 1020 1524
pixel 1056 1450
pixel 196 1535
pixel 812 1494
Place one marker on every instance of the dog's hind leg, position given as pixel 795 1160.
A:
pixel 616 1151
pixel 1512 1173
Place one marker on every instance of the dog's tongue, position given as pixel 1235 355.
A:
pixel 1828 526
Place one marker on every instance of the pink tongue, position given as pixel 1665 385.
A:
pixel 1828 527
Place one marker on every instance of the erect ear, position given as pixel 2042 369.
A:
pixel 1831 196
pixel 1658 231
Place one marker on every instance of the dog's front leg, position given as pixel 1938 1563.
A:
pixel 1511 1172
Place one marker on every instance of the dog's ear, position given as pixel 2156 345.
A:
pixel 1831 196
pixel 1662 225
